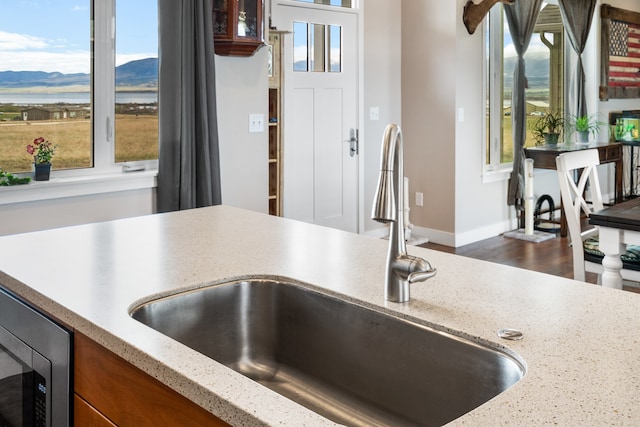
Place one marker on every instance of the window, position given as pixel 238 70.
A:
pixel 545 78
pixel 317 47
pixel 59 79
pixel 136 80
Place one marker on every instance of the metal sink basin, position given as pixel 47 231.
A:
pixel 351 364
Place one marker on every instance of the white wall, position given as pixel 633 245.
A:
pixel 67 211
pixel 242 89
pixel 380 87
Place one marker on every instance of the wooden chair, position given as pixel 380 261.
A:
pixel 586 255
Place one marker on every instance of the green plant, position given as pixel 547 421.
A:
pixel 550 123
pixel 587 124
pixel 7 179
pixel 41 150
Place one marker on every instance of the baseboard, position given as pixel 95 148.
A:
pixel 453 239
pixel 417 238
pixel 485 232
pixel 456 240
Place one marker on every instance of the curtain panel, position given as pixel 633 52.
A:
pixel 188 163
pixel 577 16
pixel 521 18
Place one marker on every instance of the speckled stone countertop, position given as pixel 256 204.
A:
pixel 580 346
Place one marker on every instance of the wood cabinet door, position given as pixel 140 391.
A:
pixel 127 396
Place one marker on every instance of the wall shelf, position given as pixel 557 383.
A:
pixel 275 122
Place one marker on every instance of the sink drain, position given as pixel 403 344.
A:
pixel 510 334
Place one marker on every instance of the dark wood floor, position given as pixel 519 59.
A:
pixel 551 256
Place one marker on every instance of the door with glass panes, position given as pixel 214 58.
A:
pixel 320 161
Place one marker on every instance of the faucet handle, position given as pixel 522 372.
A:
pixel 421 276
pixel 419 270
pixel 413 269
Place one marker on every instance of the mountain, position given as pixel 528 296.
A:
pixel 142 72
pixel 21 79
pixel 537 69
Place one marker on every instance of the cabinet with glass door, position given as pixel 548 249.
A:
pixel 238 26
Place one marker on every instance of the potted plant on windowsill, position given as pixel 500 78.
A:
pixel 584 126
pixel 548 128
pixel 42 152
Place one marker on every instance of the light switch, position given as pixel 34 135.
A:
pixel 256 123
pixel 374 113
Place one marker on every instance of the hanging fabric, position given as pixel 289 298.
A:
pixel 189 165
pixel 521 17
pixel 577 16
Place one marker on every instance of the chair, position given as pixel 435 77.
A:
pixel 586 255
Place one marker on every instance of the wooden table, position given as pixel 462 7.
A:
pixel 619 225
pixel 544 157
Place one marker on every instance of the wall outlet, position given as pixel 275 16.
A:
pixel 256 123
pixel 419 199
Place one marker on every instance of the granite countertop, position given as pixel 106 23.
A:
pixel 580 344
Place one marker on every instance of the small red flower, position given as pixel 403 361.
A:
pixel 41 150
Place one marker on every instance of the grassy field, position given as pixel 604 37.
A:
pixel 508 137
pixel 136 139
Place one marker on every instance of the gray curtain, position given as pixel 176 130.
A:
pixel 521 17
pixel 189 165
pixel 576 17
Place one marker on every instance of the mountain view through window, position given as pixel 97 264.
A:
pixel 53 85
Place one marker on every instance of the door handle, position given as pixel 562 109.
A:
pixel 354 145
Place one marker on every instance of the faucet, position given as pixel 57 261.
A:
pixel 402 269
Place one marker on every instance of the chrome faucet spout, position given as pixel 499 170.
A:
pixel 388 207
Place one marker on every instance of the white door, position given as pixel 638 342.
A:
pixel 320 168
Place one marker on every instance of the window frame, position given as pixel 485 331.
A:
pixel 105 176
pixel 103 66
pixel 493 54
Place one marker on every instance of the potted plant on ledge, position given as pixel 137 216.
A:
pixel 585 125
pixel 548 128
pixel 42 152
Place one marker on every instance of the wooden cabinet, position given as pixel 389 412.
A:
pixel 275 122
pixel 109 391
pixel 238 26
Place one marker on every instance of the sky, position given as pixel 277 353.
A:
pixel 535 45
pixel 54 35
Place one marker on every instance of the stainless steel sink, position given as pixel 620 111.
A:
pixel 351 364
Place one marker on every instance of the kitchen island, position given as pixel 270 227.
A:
pixel 580 343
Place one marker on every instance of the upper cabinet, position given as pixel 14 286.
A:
pixel 238 26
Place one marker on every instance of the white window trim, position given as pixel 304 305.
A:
pixel 495 171
pixel 57 188
pixel 106 175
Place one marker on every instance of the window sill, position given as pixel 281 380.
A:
pixel 496 175
pixel 57 188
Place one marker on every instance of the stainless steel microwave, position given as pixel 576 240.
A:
pixel 35 367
